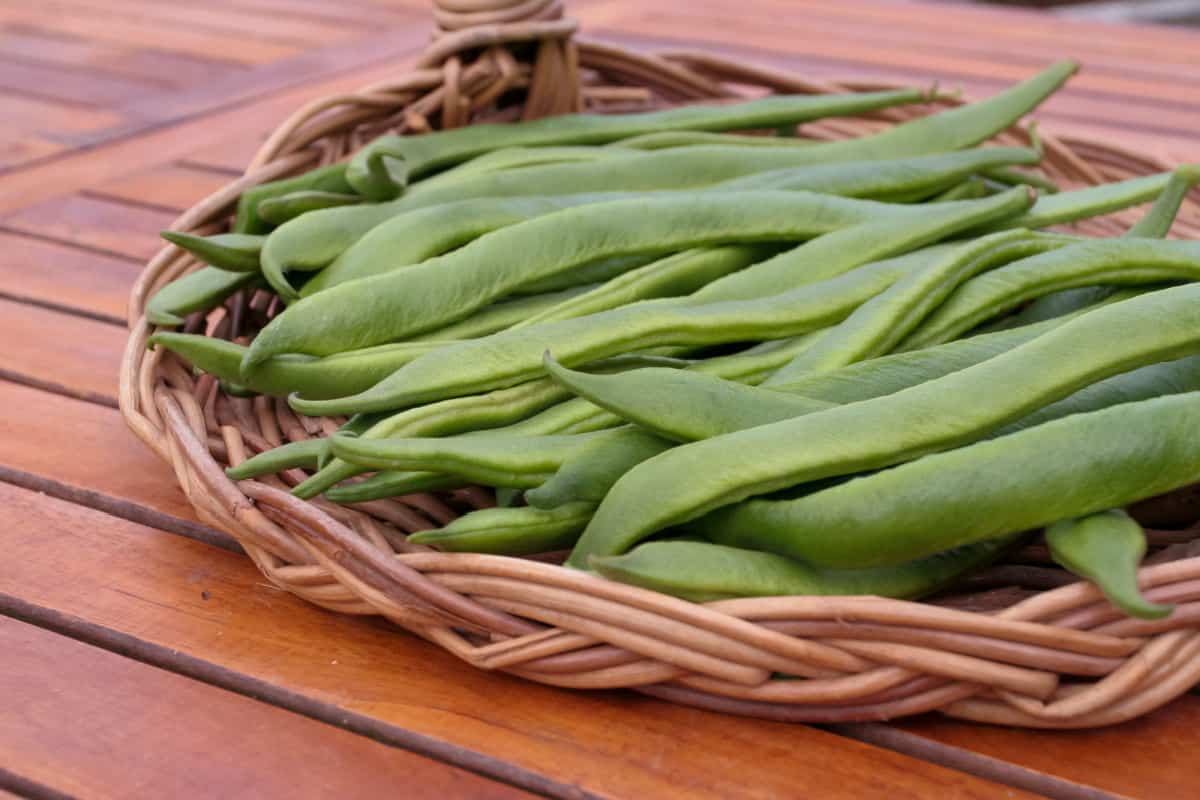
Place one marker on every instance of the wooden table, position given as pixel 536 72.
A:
pixel 144 657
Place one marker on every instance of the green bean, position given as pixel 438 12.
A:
pixel 331 178
pixel 198 291
pixel 586 474
pixel 285 208
pixel 687 482
pixel 666 139
pixel 715 405
pixel 970 189
pixel 573 416
pixel 489 201
pixel 879 324
pixel 1106 549
pixel 1070 467
pixel 677 274
pixel 702 572
pixel 522 157
pixel 1057 209
pixel 1109 261
pixel 1012 177
pixel 380 170
pixel 232 252
pixel 303 454
pixel 504 315
pixel 884 179
pixel 287 373
pixel 598 271
pixel 490 410
pixel 510 531
pixel 442 290
pixel 509 357
pixel 1157 222
pixel 493 459
pixel 408 238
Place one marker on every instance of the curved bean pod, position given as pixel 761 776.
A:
pixel 285 208
pixel 281 375
pixel 409 238
pixel 1106 549
pixel 701 572
pixel 879 324
pixel 667 139
pixel 381 169
pixel 508 357
pixel 586 475
pixel 442 290
pixel 1106 261
pixel 331 178
pixel 511 357
pixel 232 252
pixel 1070 467
pixel 675 275
pixel 304 454
pixel 510 531
pixel 575 415
pixel 198 291
pixel 681 484
pixel 492 459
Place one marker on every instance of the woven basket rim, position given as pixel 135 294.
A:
pixel 855 658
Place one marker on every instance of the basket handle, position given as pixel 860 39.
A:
pixel 528 43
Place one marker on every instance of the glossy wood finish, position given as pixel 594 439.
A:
pixel 116 115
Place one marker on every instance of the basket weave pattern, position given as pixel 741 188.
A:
pixel 1062 657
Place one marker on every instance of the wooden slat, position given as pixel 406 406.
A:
pixel 65 84
pixel 1134 758
pixel 1135 104
pixel 52 273
pixel 106 225
pixel 22 113
pixel 51 348
pixel 232 154
pixel 151 67
pixel 90 723
pixel 15 152
pixel 171 187
pixel 85 446
pixel 139 581
pixel 221 21
pixel 168 143
pixel 131 31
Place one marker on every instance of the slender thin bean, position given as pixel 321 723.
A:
pixel 510 531
pixel 285 208
pixel 701 572
pixel 232 252
pixel 381 169
pixel 331 178
pixel 198 291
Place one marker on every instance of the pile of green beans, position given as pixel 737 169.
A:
pixel 719 364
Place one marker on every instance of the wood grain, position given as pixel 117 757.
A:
pixel 1120 753
pixel 64 84
pixel 62 275
pixel 89 723
pixel 154 68
pixel 84 445
pixel 105 225
pixel 171 187
pixel 74 171
pixel 139 581
pixel 47 347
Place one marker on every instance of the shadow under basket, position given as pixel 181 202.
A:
pixel 1022 644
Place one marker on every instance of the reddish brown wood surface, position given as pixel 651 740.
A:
pixel 115 115
pixel 187 597
pixel 89 723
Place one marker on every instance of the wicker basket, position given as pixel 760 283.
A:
pixel 1036 656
